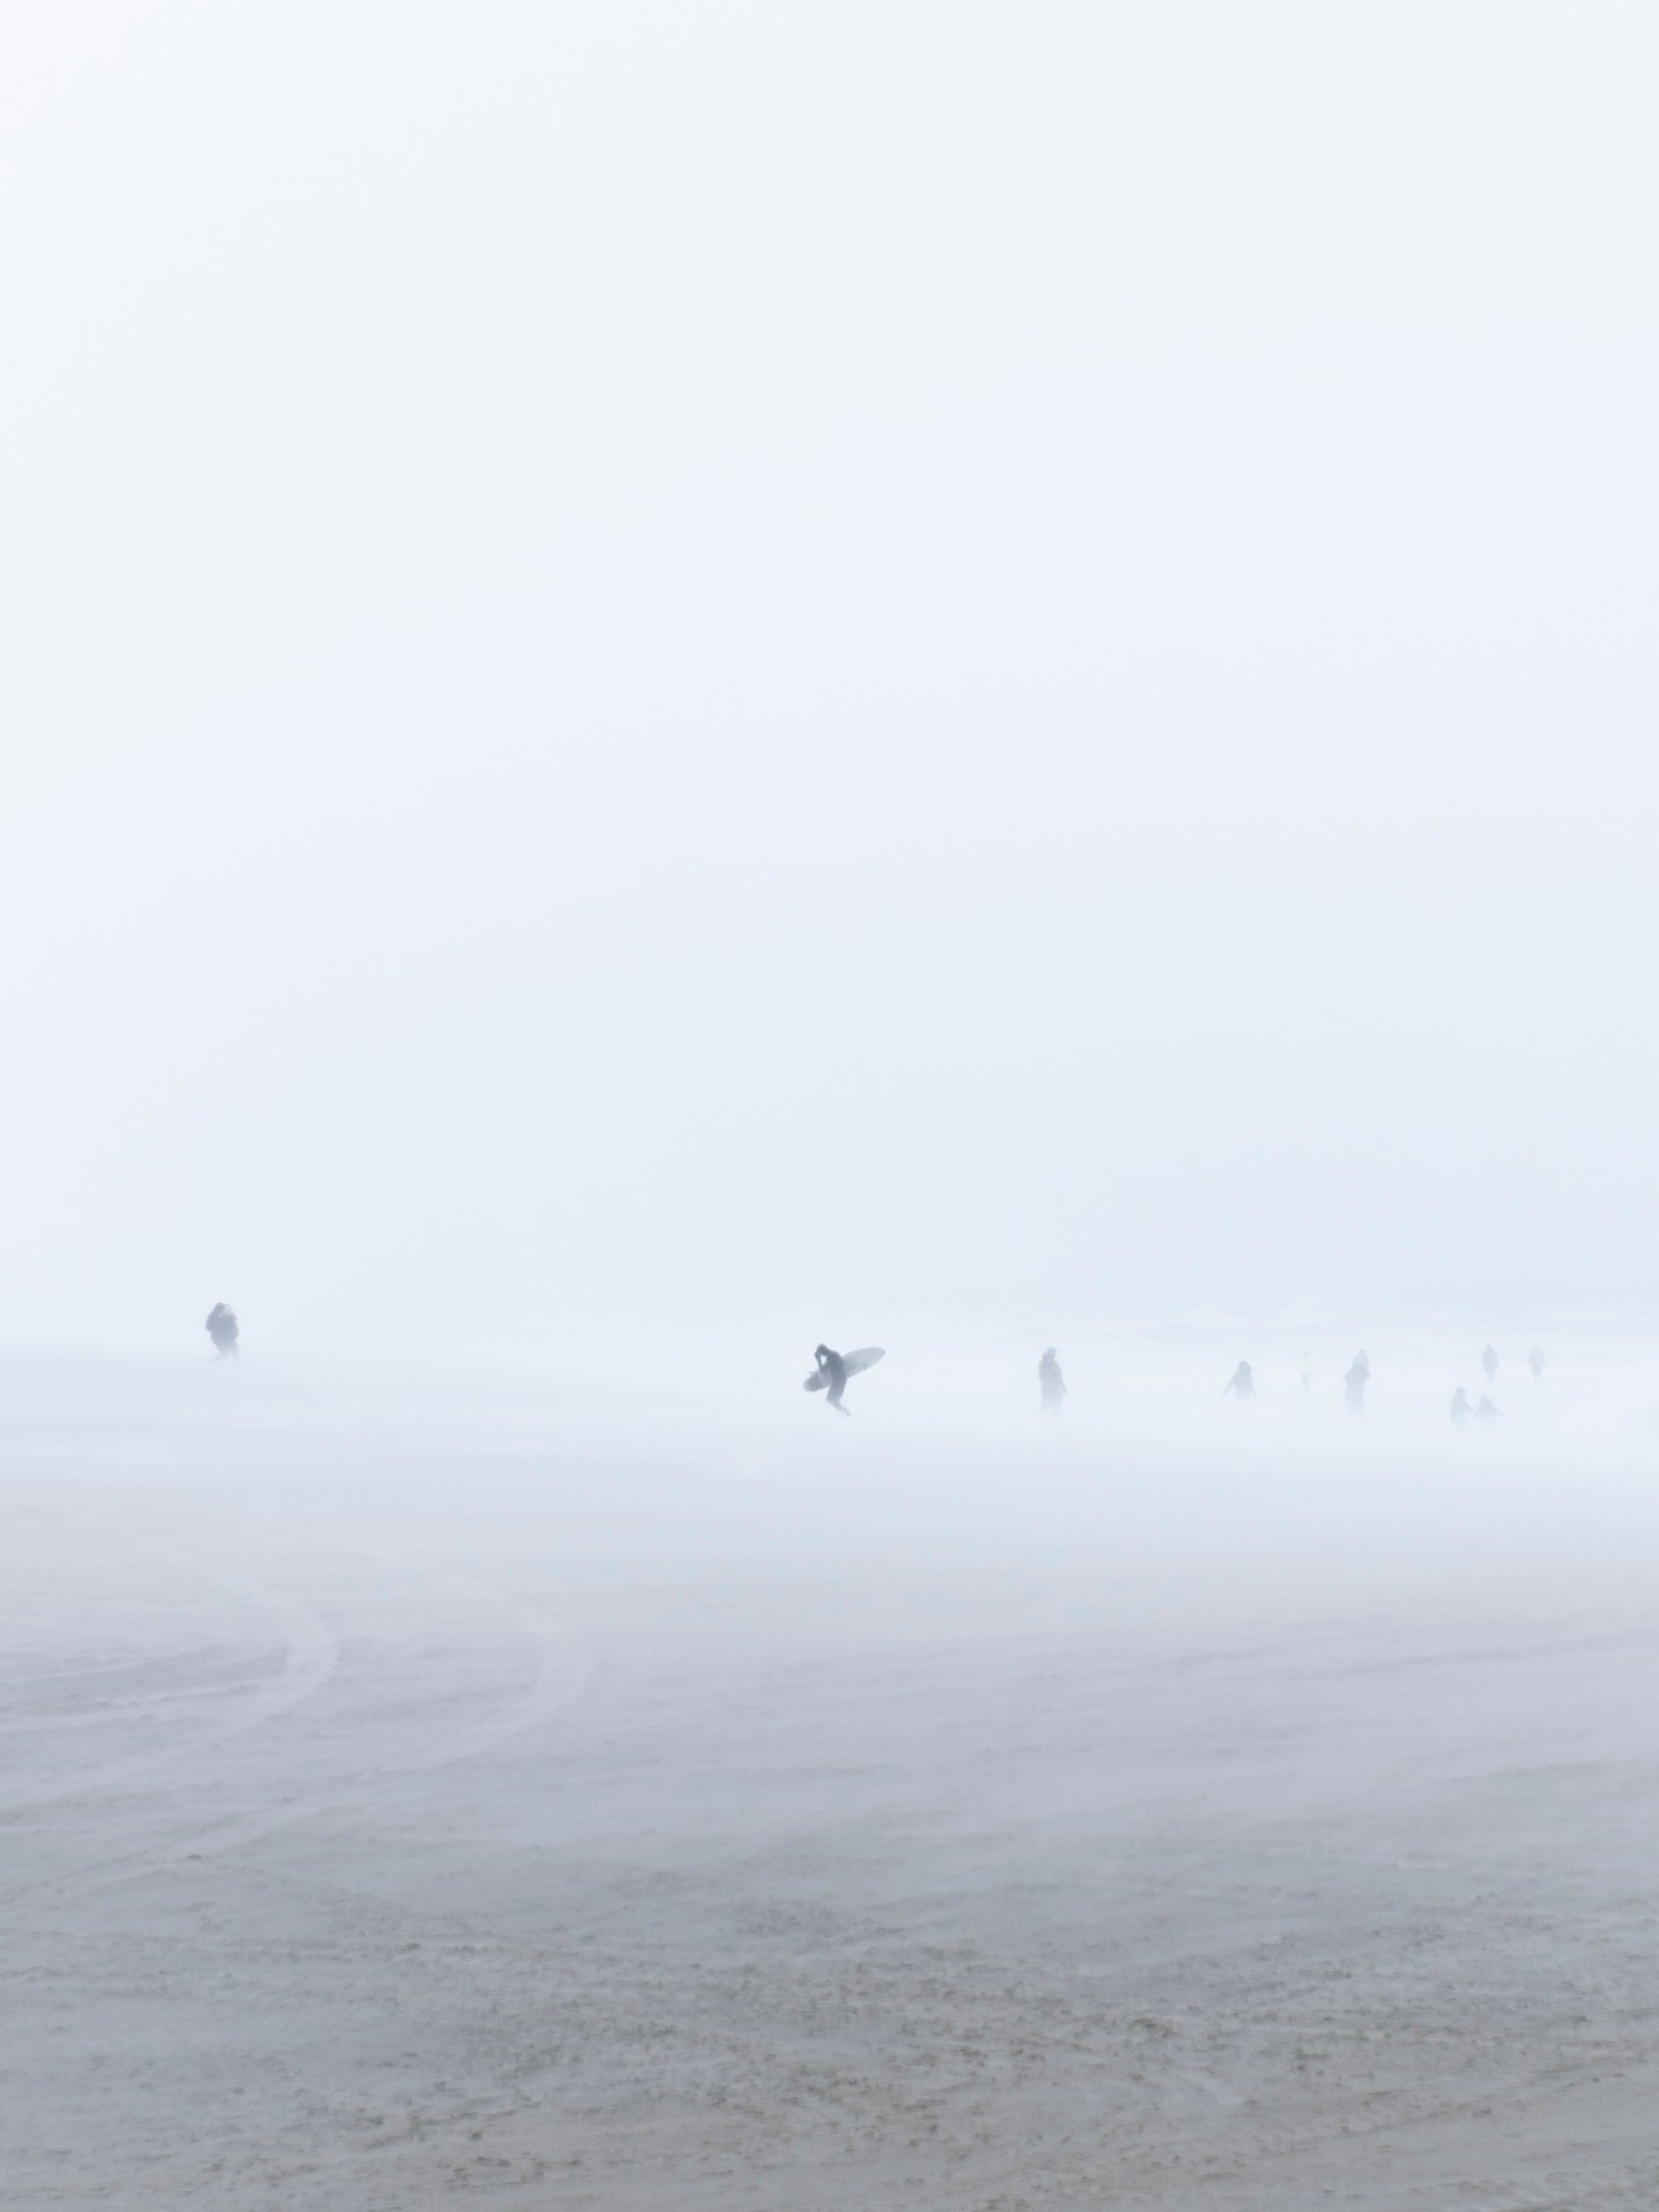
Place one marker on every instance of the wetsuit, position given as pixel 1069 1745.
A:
pixel 835 1367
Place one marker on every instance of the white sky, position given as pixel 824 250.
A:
pixel 824 660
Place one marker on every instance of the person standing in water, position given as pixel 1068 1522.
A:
pixel 1242 1385
pixel 1051 1381
pixel 221 1327
pixel 1535 1361
pixel 1354 1381
pixel 1489 1365
pixel 1460 1408
pixel 832 1365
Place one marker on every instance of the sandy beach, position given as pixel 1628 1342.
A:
pixel 493 1804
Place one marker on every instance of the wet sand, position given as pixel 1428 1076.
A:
pixel 507 1803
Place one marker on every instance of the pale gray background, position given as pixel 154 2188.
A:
pixel 681 679
pixel 780 662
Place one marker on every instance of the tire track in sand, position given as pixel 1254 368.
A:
pixel 563 1667
pixel 311 1652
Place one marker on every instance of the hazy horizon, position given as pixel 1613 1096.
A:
pixel 675 664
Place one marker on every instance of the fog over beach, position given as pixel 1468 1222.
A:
pixel 684 684
pixel 418 1789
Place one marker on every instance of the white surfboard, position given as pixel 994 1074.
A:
pixel 855 1361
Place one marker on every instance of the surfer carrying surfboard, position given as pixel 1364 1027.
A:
pixel 833 1368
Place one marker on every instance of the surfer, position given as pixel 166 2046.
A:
pixel 833 1368
pixel 1535 1361
pixel 222 1327
pixel 1052 1381
pixel 1460 1408
pixel 1354 1381
pixel 1489 1365
pixel 1242 1385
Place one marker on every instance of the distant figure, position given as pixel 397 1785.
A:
pixel 1051 1381
pixel 1354 1381
pixel 1535 1361
pixel 1307 1374
pixel 1489 1365
pixel 1460 1408
pixel 1485 1411
pixel 1242 1385
pixel 222 1329
pixel 833 1368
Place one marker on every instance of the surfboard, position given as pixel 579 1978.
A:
pixel 855 1361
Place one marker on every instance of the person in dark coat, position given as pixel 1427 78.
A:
pixel 221 1327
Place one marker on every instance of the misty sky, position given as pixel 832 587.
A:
pixel 806 662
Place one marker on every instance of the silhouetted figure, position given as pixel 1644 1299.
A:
pixel 1489 1365
pixel 1485 1411
pixel 1460 1408
pixel 222 1329
pixel 1307 1374
pixel 1536 1362
pixel 1242 1385
pixel 1051 1381
pixel 835 1369
pixel 1354 1381
pixel 831 1364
